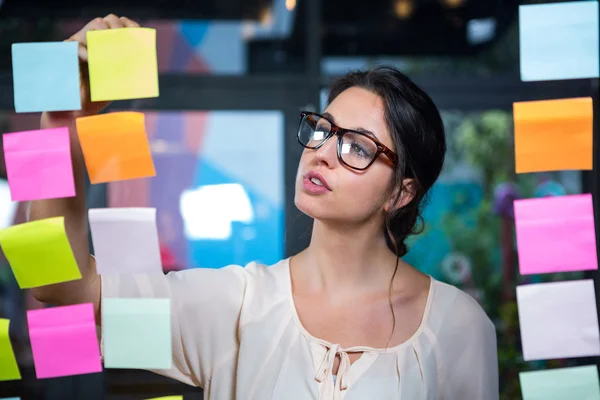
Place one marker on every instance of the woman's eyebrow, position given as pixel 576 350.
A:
pixel 361 130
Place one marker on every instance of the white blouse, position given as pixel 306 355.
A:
pixel 236 333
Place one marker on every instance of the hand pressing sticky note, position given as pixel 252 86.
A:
pixel 137 333
pixel 553 135
pixel 9 370
pixel 122 64
pixel 125 240
pixel 115 146
pixel 46 76
pixel 561 383
pixel 558 320
pixel 64 341
pixel 556 234
pixel 559 41
pixel 39 253
pixel 38 164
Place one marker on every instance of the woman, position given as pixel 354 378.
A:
pixel 344 319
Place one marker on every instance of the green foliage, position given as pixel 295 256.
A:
pixel 485 141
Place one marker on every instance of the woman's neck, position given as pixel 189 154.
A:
pixel 346 260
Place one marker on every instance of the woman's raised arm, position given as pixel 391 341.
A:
pixel 74 209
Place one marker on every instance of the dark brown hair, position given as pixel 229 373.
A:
pixel 417 131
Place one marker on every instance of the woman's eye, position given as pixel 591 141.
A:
pixel 356 148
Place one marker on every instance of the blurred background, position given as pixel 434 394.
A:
pixel 235 75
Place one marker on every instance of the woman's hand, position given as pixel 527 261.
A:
pixel 88 107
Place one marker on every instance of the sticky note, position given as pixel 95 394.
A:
pixel 125 240
pixel 168 398
pixel 553 135
pixel 561 383
pixel 559 41
pixel 9 207
pixel 122 64
pixel 9 370
pixel 556 234
pixel 39 253
pixel 115 146
pixel 558 320
pixel 64 341
pixel 38 164
pixel 46 76
pixel 137 333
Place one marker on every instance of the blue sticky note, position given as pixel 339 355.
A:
pixel 559 41
pixel 46 76
pixel 136 333
pixel 561 383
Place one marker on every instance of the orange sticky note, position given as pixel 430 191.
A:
pixel 553 135
pixel 115 146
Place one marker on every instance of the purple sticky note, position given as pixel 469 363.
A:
pixel 38 164
pixel 556 234
pixel 64 341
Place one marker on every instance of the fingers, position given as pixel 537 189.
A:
pixel 111 21
pixel 129 23
pixel 94 25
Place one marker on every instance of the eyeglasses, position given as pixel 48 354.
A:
pixel 356 150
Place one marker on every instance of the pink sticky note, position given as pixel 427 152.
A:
pixel 38 164
pixel 64 341
pixel 556 234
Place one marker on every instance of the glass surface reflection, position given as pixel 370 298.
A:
pixel 218 189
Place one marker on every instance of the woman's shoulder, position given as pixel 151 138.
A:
pixel 453 309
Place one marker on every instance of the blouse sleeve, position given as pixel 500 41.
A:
pixel 469 364
pixel 205 312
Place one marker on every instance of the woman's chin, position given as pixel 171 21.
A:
pixel 311 206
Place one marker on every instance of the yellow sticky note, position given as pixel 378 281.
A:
pixel 9 370
pixel 39 253
pixel 122 64
pixel 168 398
pixel 553 135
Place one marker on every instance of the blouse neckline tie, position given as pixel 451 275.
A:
pixel 326 367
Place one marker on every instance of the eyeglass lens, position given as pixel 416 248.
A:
pixel 357 150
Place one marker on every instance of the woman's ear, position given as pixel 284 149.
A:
pixel 401 196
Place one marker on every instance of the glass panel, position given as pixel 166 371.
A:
pixel 218 189
pixel 192 46
pixel 468 205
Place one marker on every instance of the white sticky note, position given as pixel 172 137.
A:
pixel 125 240
pixel 558 320
pixel 8 208
pixel 559 41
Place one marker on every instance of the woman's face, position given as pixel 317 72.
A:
pixel 348 196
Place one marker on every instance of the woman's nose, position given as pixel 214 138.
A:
pixel 327 153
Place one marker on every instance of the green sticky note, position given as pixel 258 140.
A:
pixel 137 333
pixel 39 253
pixel 579 383
pixel 122 64
pixel 9 370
